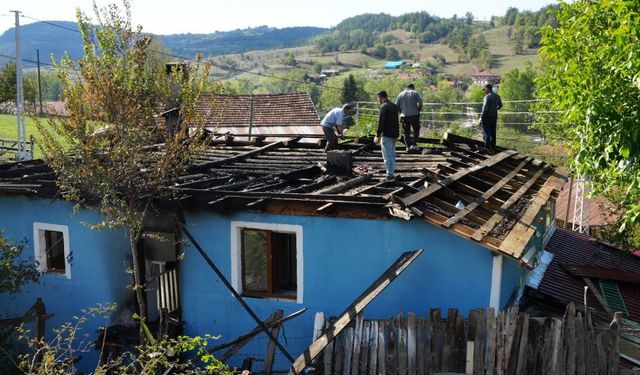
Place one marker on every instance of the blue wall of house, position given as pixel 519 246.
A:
pixel 98 266
pixel 511 277
pixel 341 258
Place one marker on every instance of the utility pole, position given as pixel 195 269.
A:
pixel 39 81
pixel 22 132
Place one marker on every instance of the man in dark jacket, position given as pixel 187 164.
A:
pixel 489 116
pixel 388 132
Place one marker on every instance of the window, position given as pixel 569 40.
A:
pixel 51 243
pixel 266 259
pixel 613 297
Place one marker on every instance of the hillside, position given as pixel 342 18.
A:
pixel 52 40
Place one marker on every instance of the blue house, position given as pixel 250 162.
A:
pixel 397 64
pixel 291 226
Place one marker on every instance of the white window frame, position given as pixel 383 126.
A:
pixel 39 244
pixel 236 253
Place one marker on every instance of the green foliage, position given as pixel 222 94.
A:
pixel 15 270
pixel 591 63
pixel 289 59
pixel 380 51
pixel 527 25
pixel 133 159
pixel 60 354
pixel 8 86
pixel 392 54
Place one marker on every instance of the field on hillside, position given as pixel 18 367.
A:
pixel 270 61
pixel 8 130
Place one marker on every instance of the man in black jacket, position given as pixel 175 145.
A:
pixel 388 132
pixel 489 116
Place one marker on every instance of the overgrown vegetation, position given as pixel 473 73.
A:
pixel 591 65
pixel 117 155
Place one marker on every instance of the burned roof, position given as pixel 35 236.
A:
pixel 292 113
pixel 491 197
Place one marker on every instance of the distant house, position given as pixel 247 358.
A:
pixel 330 72
pixel 289 231
pixel 485 76
pixel 597 213
pixel 574 261
pixel 416 75
pixel 394 64
pixel 261 114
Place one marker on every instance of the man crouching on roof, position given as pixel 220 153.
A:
pixel 332 125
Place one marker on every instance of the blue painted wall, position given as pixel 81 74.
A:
pixel 511 277
pixel 97 270
pixel 341 258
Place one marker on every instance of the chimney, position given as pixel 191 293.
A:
pixel 176 74
pixel 339 163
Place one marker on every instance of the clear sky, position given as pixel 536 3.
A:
pixel 205 16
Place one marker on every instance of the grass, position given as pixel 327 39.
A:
pixel 9 130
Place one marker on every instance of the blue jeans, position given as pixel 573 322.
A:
pixel 389 154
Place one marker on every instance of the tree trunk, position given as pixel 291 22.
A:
pixel 138 286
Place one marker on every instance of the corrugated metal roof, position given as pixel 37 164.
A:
pixel 577 249
pixel 596 211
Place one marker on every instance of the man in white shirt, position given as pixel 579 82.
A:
pixel 332 125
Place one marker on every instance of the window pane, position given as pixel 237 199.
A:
pixel 284 262
pixel 255 262
pixel 54 242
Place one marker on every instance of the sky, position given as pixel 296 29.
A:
pixel 206 16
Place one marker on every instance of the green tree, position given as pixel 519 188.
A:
pixel 121 89
pixel 591 63
pixel 8 89
pixel 15 270
pixel 392 54
pixel 380 51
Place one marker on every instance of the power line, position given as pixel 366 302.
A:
pixel 224 67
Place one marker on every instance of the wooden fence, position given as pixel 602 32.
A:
pixel 9 148
pixel 509 343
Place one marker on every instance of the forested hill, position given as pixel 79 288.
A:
pixel 222 43
pixel 52 40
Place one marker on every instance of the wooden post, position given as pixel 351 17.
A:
pixel 271 346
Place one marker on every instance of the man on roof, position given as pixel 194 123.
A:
pixel 410 104
pixel 332 125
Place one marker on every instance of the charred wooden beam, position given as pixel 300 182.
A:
pixel 236 158
pixel 485 196
pixel 346 185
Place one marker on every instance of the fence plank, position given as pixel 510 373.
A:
pixel 510 353
pixel 435 349
pixel 614 348
pixel 411 343
pixel 491 340
pixel 421 337
pixel 327 355
pixel 357 343
pixel 365 347
pixel 459 346
pixel 499 368
pixel 522 347
pixel 402 345
pixel 392 347
pixel 373 352
pixel 449 337
pixel 580 346
pixel 382 353
pixel 570 339
pixel 348 351
pixel 271 346
pixel 478 354
pixel 590 341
